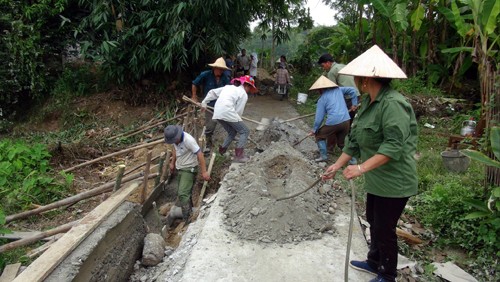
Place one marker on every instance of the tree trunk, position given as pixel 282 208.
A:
pixel 404 59
pixel 490 111
pixel 394 37
pixel 272 40
pixel 430 35
pixel 414 53
pixel 360 25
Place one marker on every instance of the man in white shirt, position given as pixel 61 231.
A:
pixel 186 158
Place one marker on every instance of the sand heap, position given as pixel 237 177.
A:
pixel 251 209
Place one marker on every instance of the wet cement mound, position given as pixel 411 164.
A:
pixel 252 212
pixel 280 131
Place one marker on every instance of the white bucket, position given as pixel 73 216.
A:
pixel 301 98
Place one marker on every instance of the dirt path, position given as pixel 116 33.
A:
pixel 269 106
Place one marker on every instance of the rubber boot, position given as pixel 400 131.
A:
pixel 240 156
pixel 323 157
pixel 222 150
pixel 186 213
pixel 209 145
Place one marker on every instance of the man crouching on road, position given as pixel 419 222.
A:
pixel 186 157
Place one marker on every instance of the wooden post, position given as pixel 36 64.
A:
pixel 185 122
pixel 160 169
pixel 118 183
pixel 146 175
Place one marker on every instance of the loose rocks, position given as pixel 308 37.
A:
pixel 153 251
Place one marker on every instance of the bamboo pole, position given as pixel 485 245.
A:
pixel 146 177
pixel 185 98
pixel 205 183
pixel 71 200
pixel 131 133
pixel 139 166
pixel 151 144
pixel 295 118
pixel 118 183
pixel 26 241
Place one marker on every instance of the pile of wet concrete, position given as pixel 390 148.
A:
pixel 252 210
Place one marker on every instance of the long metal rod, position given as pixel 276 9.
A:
pixel 349 236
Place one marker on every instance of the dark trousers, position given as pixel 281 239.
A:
pixel 336 132
pixel 383 214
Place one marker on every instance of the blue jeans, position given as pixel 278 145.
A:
pixel 233 128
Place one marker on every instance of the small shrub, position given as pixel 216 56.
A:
pixel 26 177
pixel 415 85
pixel 77 81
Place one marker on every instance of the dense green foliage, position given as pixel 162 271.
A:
pixel 32 42
pixel 25 176
pixel 140 38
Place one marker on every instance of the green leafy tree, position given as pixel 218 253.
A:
pixel 278 17
pixel 32 41
pixel 142 38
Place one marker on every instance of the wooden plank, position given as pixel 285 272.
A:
pixel 10 272
pixel 48 261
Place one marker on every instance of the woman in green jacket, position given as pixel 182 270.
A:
pixel 384 138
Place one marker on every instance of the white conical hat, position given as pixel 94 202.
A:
pixel 323 82
pixel 373 63
pixel 219 63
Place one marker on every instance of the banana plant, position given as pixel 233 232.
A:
pixel 492 208
pixel 396 13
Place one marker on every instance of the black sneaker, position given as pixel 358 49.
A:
pixel 363 266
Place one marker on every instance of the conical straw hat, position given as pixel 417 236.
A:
pixel 323 82
pixel 373 63
pixel 219 63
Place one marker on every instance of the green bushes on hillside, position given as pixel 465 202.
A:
pixel 26 177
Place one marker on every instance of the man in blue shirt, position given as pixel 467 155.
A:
pixel 208 80
pixel 331 109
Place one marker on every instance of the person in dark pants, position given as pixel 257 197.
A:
pixel 332 69
pixel 209 80
pixel 330 108
pixel 384 137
